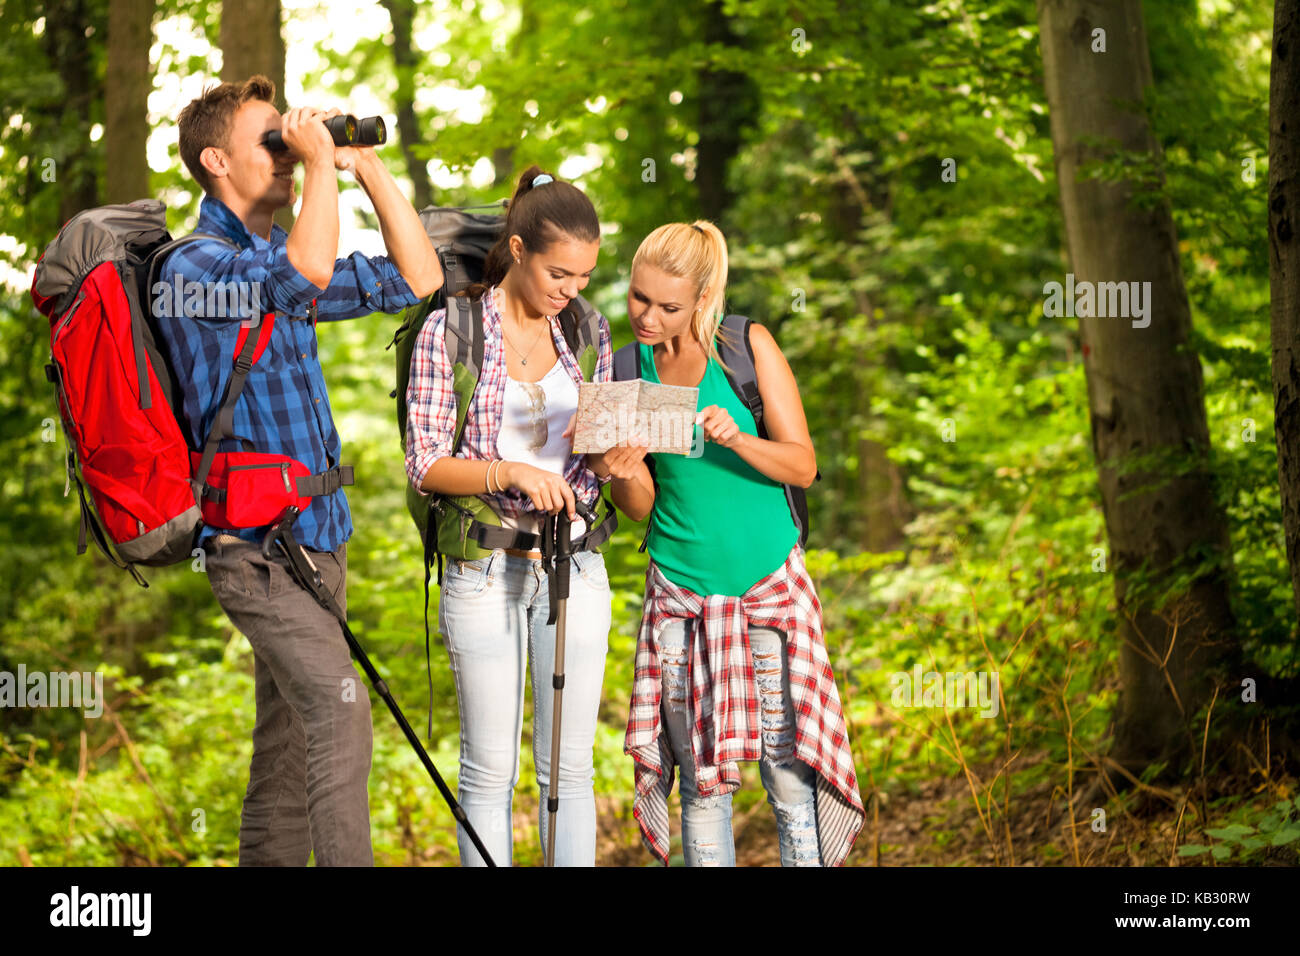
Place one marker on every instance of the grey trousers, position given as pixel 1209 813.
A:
pixel 312 736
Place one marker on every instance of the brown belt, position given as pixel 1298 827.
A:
pixel 533 555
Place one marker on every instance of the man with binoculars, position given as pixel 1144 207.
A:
pixel 312 737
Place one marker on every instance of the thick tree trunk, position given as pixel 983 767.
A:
pixel 1144 387
pixel 126 97
pixel 66 23
pixel 1284 265
pixel 402 15
pixel 251 43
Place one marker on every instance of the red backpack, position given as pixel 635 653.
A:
pixel 150 492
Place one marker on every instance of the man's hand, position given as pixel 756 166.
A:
pixel 314 239
pixel 352 158
pixel 304 133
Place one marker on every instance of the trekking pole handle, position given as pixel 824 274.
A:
pixel 585 511
pixel 282 523
pixel 563 542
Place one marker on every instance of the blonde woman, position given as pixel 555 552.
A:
pixel 730 662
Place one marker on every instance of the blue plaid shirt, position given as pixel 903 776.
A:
pixel 284 407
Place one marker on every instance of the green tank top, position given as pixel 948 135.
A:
pixel 718 525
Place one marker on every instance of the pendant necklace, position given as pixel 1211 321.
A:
pixel 523 356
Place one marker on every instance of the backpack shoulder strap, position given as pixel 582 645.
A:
pixel 248 349
pixel 627 363
pixel 463 335
pixel 580 324
pixel 455 275
pixel 159 255
pixel 737 354
pixel 464 332
pixel 139 293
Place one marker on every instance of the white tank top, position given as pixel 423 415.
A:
pixel 533 419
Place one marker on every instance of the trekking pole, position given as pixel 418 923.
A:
pixel 305 572
pixel 557 548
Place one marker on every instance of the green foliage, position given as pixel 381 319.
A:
pixel 1244 843
pixel 958 524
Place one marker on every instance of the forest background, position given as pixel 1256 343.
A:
pixel 1102 514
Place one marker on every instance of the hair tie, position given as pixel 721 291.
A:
pixel 697 229
pixel 542 180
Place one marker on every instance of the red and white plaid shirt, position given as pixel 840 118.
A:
pixel 725 710
pixel 431 405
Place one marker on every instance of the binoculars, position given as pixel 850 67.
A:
pixel 346 130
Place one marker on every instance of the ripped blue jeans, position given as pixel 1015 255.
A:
pixel 790 783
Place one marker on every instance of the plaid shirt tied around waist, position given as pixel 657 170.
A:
pixel 724 701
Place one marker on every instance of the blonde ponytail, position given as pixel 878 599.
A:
pixel 696 251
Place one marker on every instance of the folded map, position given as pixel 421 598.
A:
pixel 612 412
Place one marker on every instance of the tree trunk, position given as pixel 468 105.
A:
pixel 873 508
pixel 66 23
pixel 126 96
pixel 1144 388
pixel 503 166
pixel 727 105
pixel 402 14
pixel 252 43
pixel 884 510
pixel 1284 265
pixel 503 157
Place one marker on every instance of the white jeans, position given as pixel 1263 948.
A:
pixel 493 614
